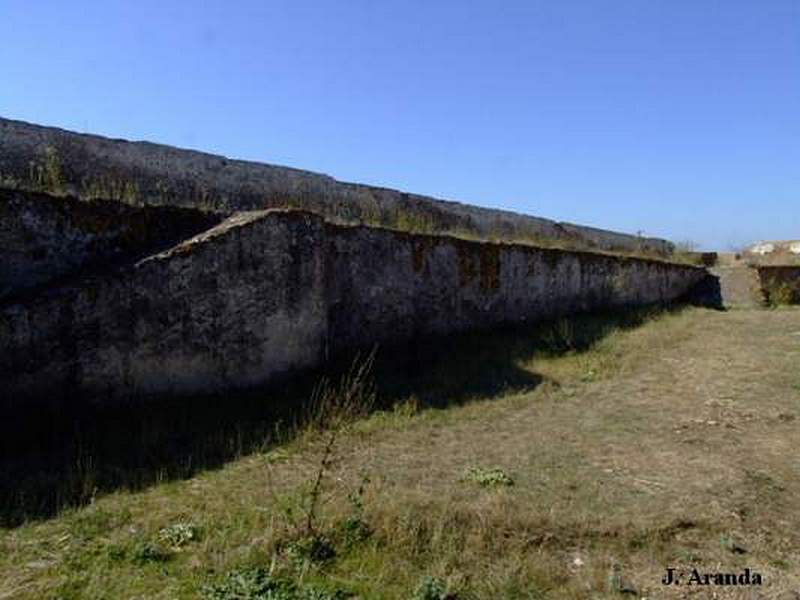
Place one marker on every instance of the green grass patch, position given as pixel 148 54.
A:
pixel 492 477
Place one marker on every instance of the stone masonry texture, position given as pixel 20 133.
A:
pixel 267 292
pixel 43 239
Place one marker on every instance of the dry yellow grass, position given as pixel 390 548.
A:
pixel 673 444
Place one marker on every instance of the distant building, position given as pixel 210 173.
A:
pixel 765 248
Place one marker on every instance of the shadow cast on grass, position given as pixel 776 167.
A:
pixel 58 458
pixel 450 370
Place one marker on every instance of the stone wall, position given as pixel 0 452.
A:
pixel 44 239
pixel 229 308
pixel 383 286
pixel 35 158
pixel 780 284
pixel 264 293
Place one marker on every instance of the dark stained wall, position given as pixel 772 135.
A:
pixel 267 292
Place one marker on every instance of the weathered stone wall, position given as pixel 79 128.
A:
pixel 140 173
pixel 267 292
pixel 229 308
pixel 387 286
pixel 43 238
pixel 780 284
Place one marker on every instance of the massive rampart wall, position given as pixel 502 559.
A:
pixel 35 158
pixel 267 292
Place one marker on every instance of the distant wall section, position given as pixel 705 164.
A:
pixel 780 284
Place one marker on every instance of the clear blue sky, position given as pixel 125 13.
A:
pixel 678 118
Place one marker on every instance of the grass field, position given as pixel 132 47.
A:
pixel 574 460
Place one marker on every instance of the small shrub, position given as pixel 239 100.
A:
pixel 243 584
pixel 146 552
pixel 314 549
pixel 256 583
pixel 780 294
pixel 432 588
pixel 116 553
pixel 333 408
pixel 354 529
pixel 178 534
pixel 487 477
